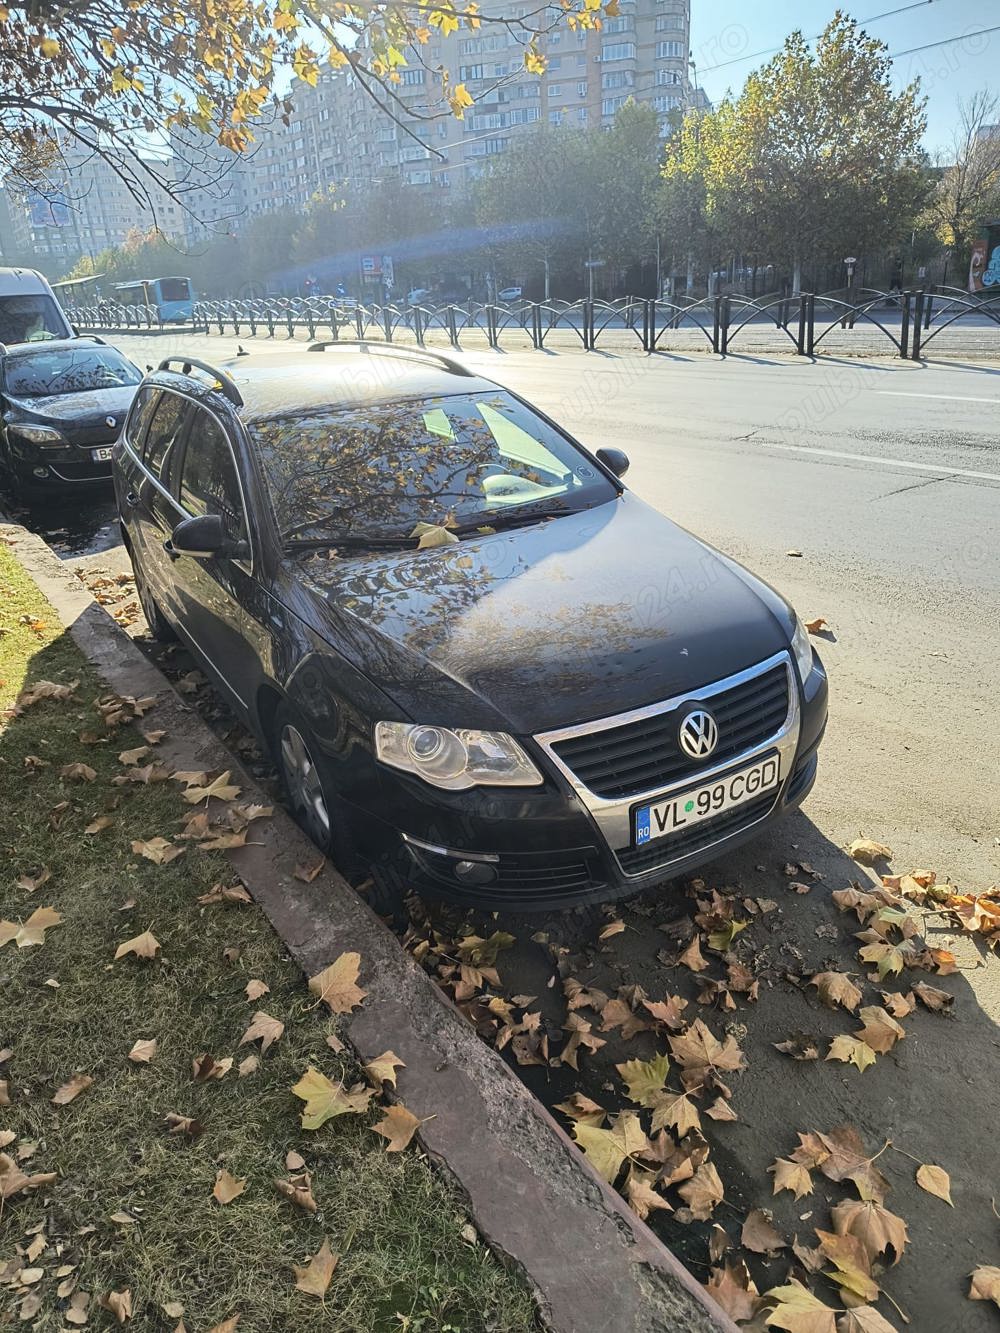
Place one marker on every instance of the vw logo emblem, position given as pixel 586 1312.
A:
pixel 111 421
pixel 698 734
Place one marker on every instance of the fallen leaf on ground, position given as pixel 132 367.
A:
pixel 32 932
pixel 759 1234
pixel 580 1034
pixel 851 1051
pixel 383 1068
pixel 324 1100
pixel 298 1190
pixel 119 1303
pixel 878 1230
pixel 792 1176
pixel 703 1192
pixel 255 989
pixel 183 1124
pixel 315 1277
pixel 227 1325
pixel 931 997
pixel 161 851
pixel 699 1053
pixel 72 1089
pixel 32 882
pixel 645 1079
pixel 131 757
pixel 227 1187
pixel 641 1195
pixel 99 824
pixel 676 1110
pixel 221 788
pixel 880 1031
pixel 692 956
pixel 814 626
pixel 78 772
pixel 866 851
pixel 935 1180
pixel 985 1285
pixel 898 1004
pixel 263 1028
pixel 851 1263
pixel 205 1068
pixel 308 873
pixel 841 1155
pixel 606 1149
pixel 143 1051
pixel 14 1181
pixel 336 985
pixel 800 1046
pixel 612 928
pixel 732 1288
pixel 836 988
pixel 225 893
pixel 798 1311
pixel 398 1125
pixel 145 945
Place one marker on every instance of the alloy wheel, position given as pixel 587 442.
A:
pixel 305 788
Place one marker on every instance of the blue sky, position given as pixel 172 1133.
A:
pixel 729 30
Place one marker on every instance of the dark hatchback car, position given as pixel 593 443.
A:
pixel 485 669
pixel 62 406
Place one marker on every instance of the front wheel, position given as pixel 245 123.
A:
pixel 318 810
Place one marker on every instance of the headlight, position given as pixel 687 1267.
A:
pixel 455 759
pixel 802 650
pixel 44 435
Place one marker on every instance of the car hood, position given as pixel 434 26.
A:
pixel 77 409
pixel 545 626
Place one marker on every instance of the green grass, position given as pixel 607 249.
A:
pixel 394 1222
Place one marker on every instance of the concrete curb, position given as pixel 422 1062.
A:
pixel 594 1267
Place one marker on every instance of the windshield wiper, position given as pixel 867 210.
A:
pixel 355 541
pixel 512 518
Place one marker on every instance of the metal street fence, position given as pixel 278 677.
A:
pixel 907 321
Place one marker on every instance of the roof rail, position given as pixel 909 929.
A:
pixel 394 349
pixel 225 382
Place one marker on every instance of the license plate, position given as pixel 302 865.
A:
pixel 101 455
pixel 662 818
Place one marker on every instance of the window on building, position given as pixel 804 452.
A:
pixel 670 50
pixel 555 62
pixel 621 50
pixel 617 78
pixel 555 90
pixel 418 178
pixel 581 88
pixel 611 104
pixel 667 103
pixel 581 115
pixel 668 76
pixel 623 23
pixel 412 77
pixel 556 117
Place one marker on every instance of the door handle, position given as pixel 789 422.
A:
pixel 131 499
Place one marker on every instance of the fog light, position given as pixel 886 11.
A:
pixel 475 872
pixel 40 471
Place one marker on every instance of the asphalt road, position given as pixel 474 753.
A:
pixel 886 477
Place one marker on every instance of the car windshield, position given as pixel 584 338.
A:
pixel 28 319
pixel 377 471
pixel 67 370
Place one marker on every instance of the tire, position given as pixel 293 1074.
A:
pixel 159 626
pixel 320 813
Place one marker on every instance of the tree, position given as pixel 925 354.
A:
pixel 102 75
pixel 816 159
pixel 968 190
pixel 623 174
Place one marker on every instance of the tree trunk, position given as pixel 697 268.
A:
pixel 797 278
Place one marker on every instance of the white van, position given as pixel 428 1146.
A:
pixel 29 311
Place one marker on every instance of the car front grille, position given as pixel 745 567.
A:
pixel 92 437
pixel 642 755
pixel 638 860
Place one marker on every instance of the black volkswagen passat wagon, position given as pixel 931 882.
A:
pixel 485 669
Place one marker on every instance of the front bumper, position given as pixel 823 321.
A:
pixel 560 845
pixel 72 465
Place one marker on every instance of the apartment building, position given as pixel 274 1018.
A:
pixel 84 206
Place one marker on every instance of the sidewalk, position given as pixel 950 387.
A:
pixel 591 1263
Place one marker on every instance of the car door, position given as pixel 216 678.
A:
pixel 150 500
pixel 212 593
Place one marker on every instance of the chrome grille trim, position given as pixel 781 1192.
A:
pixel 611 816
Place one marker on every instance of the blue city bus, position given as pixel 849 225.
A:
pixel 172 298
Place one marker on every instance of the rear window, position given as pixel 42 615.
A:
pixel 28 319
pixel 165 431
pixel 175 289
pixel 67 370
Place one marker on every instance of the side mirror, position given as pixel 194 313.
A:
pixel 615 460
pixel 202 537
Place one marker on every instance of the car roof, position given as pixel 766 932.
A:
pixel 277 383
pixel 51 345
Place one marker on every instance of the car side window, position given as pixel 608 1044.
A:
pixel 163 436
pixel 209 483
pixel 139 415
